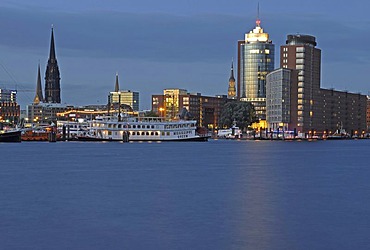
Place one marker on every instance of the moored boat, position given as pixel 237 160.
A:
pixel 10 135
pixel 109 128
pixel 339 134
pixel 41 134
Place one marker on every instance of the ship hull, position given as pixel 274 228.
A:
pixel 10 136
pixel 87 138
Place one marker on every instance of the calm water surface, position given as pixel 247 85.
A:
pixel 212 195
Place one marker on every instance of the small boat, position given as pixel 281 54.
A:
pixel 69 130
pixel 110 128
pixel 232 133
pixel 38 134
pixel 10 135
pixel 339 134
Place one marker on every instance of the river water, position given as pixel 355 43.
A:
pixel 220 194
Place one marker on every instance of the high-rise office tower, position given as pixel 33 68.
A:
pixel 52 76
pixel 301 54
pixel 231 91
pixel 256 55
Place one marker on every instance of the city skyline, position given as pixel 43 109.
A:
pixel 168 46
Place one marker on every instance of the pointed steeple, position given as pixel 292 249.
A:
pixel 231 91
pixel 116 88
pixel 232 71
pixel 38 97
pixel 52 46
pixel 52 75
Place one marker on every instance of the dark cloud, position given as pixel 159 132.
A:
pixel 159 50
pixel 171 38
pixel 338 40
pixel 157 37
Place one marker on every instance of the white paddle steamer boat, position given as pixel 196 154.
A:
pixel 109 128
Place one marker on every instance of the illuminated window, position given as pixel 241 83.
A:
pixel 299 61
pixel 299 66
pixel 300 49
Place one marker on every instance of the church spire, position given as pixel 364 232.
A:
pixel 231 91
pixel 116 89
pixel 52 46
pixel 232 71
pixel 38 97
pixel 52 75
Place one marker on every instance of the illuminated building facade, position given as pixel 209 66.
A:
pixel 255 60
pixel 9 108
pixel 311 110
pixel 281 90
pixel 125 97
pixel 300 53
pixel 172 101
pixel 205 109
pixel 45 112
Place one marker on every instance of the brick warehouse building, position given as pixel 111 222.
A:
pixel 205 110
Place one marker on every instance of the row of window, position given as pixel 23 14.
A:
pixel 141 133
pixel 144 133
pixel 125 126
pixel 297 49
pixel 179 126
pixel 182 132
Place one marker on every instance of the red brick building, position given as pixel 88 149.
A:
pixel 205 109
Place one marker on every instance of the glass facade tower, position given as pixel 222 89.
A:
pixel 256 56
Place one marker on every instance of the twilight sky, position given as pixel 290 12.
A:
pixel 169 44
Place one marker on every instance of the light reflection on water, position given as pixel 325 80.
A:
pixel 214 195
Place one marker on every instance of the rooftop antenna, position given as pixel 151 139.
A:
pixel 258 21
